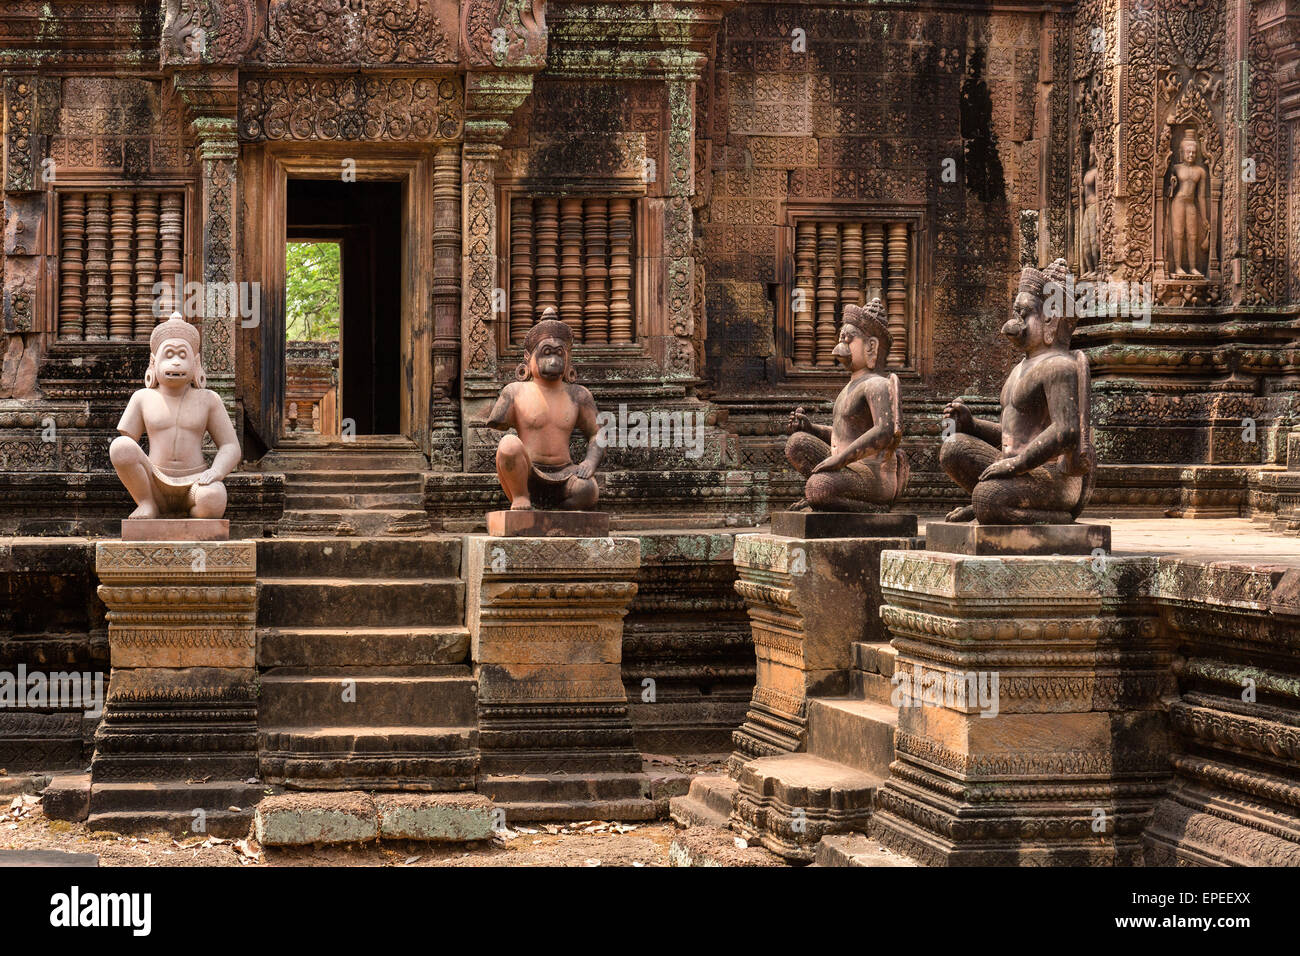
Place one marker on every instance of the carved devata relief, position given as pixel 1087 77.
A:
pixel 1190 154
pixel 353 31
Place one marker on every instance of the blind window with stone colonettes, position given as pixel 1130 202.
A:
pixel 578 255
pixel 840 262
pixel 113 247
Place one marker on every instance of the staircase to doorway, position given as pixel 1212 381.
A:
pixel 373 485
pixel 364 660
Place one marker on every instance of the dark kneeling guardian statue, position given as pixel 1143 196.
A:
pixel 1037 465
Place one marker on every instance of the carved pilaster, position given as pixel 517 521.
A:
pixel 445 451
pixel 218 152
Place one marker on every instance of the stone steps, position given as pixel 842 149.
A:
pixel 429 557
pixel 371 602
pixel 708 803
pixel 378 758
pixel 384 697
pixel 340 522
pixel 854 732
pixel 383 619
pixel 854 849
pixel 303 499
pixel 361 646
pixel 559 797
pixel 226 807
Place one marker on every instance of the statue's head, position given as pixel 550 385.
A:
pixel 174 355
pixel 1092 153
pixel 864 336
pixel 1189 147
pixel 1042 315
pixel 547 348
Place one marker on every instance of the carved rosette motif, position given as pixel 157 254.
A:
pixel 373 108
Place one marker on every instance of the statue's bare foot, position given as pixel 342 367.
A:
pixel 146 510
pixel 964 513
pixel 521 503
pixel 801 505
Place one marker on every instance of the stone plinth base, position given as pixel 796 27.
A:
pixel 1031 729
pixel 842 524
pixel 545 617
pixel 809 601
pixel 1038 539
pixel 548 524
pixel 790 802
pixel 182 695
pixel 175 529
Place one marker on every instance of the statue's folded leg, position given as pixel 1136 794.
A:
pixel 1036 497
pixel 805 452
pixel 964 457
pixel 580 494
pixel 847 490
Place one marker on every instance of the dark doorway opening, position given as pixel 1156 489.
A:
pixel 365 218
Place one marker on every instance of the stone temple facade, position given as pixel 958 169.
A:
pixel 699 189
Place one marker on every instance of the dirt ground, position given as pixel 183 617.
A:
pixel 587 843
pixel 592 843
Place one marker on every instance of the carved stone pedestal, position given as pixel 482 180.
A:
pixel 545 617
pixel 843 524
pixel 1031 730
pixel 809 601
pixel 1022 539
pixel 182 696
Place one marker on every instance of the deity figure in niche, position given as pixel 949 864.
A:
pixel 855 464
pixel 546 404
pixel 1187 190
pixel 175 410
pixel 1037 465
pixel 1091 239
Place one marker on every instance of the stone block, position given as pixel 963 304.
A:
pixel 545 616
pixel 1009 539
pixel 302 819
pixel 791 801
pixel 182 695
pixel 175 529
pixel 709 802
pixel 437 817
pixel 1031 729
pixel 842 524
pixel 548 524
pixel 67 797
pixel 855 850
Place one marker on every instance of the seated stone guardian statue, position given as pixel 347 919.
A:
pixel 544 407
pixel 175 410
pixel 1036 466
pixel 855 464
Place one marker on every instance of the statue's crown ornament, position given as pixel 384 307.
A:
pixel 174 328
pixel 869 319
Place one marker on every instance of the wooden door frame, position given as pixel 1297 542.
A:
pixel 266 169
